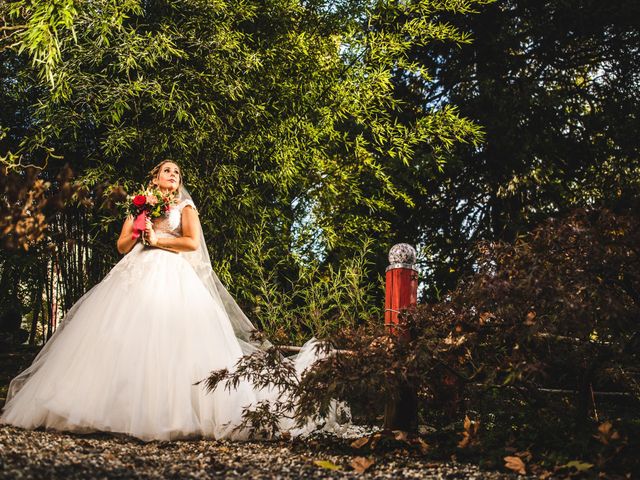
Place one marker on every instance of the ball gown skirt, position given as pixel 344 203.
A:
pixel 128 354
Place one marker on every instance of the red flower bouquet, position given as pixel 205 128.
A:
pixel 148 203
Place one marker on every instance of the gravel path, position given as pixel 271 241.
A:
pixel 27 454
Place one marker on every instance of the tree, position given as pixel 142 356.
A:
pixel 278 111
pixel 554 87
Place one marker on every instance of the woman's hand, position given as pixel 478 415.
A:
pixel 150 233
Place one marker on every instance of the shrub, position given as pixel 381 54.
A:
pixel 558 309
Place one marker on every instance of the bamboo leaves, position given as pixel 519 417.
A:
pixel 278 109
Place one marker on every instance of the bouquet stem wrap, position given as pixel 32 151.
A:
pixel 139 225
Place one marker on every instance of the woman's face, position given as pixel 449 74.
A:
pixel 168 178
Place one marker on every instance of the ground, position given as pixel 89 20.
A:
pixel 38 454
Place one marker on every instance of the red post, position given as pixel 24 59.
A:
pixel 401 292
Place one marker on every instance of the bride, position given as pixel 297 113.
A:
pixel 129 353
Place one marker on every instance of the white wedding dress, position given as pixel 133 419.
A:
pixel 128 353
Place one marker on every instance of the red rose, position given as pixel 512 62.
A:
pixel 139 200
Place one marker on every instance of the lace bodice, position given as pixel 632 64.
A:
pixel 171 225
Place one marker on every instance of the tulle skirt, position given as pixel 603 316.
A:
pixel 127 356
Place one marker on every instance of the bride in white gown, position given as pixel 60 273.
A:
pixel 128 353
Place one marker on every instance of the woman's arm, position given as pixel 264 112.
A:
pixel 125 242
pixel 190 239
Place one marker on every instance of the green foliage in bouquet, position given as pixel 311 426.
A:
pixel 151 200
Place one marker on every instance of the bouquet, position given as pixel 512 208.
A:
pixel 148 203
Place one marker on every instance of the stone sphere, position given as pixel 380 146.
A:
pixel 402 253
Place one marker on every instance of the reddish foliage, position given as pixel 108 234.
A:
pixel 559 308
pixel 29 202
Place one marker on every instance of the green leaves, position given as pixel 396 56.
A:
pixel 44 34
pixel 278 109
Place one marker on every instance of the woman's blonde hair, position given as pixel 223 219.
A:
pixel 153 173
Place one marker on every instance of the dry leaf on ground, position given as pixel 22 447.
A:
pixel 530 319
pixel 401 435
pixel 578 465
pixel 470 434
pixel 362 464
pixel 606 433
pixel 516 464
pixel 422 445
pixel 360 442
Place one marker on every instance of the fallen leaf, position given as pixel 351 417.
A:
pixel 578 465
pixel 450 340
pixel 467 422
pixel 360 442
pixel 400 435
pixel 606 433
pixel 470 434
pixel 486 317
pixel 327 464
pixel 422 445
pixel 530 320
pixel 362 464
pixel 516 464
